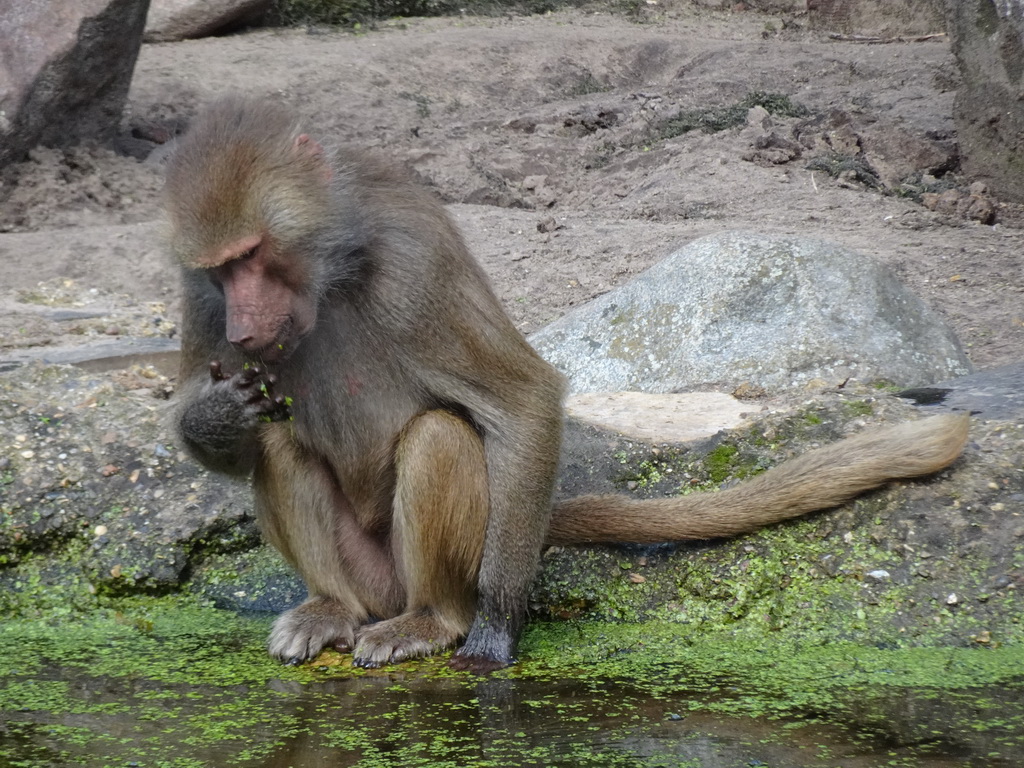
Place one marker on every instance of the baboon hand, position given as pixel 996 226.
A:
pixel 253 388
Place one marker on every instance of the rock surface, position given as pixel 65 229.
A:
pixel 988 42
pixel 65 69
pixel 553 116
pixel 95 499
pixel 673 418
pixel 997 393
pixel 171 20
pixel 741 308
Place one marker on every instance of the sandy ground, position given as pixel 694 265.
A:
pixel 543 133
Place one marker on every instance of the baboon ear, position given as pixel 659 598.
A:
pixel 310 148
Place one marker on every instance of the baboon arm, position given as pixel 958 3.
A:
pixel 820 479
pixel 520 469
pixel 212 419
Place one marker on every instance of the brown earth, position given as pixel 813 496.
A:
pixel 546 135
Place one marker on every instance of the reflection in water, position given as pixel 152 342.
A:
pixel 499 722
pixel 404 717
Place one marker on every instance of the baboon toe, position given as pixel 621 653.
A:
pixel 300 634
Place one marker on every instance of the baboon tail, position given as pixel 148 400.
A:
pixel 820 479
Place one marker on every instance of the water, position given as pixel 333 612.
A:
pixel 170 692
pixel 419 721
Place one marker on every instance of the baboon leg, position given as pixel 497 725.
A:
pixel 440 517
pixel 349 574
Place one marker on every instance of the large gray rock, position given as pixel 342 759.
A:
pixel 738 307
pixel 171 20
pixel 988 41
pixel 65 68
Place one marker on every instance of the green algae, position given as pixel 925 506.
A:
pixel 162 673
pixel 791 579
pixel 164 683
pixel 755 644
pixel 899 566
pixel 765 676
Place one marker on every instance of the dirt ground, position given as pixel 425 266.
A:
pixel 546 135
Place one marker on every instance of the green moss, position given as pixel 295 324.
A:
pixel 421 100
pixel 857 408
pixel 42 585
pixel 256 566
pixel 727 461
pixel 720 462
pixel 790 580
pixel 649 471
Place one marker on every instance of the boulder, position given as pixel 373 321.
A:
pixel 664 418
pixel 736 308
pixel 988 42
pixel 171 20
pixel 65 69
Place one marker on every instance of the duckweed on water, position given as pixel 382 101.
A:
pixel 175 685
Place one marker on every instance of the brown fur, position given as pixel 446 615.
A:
pixel 412 489
pixel 823 478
